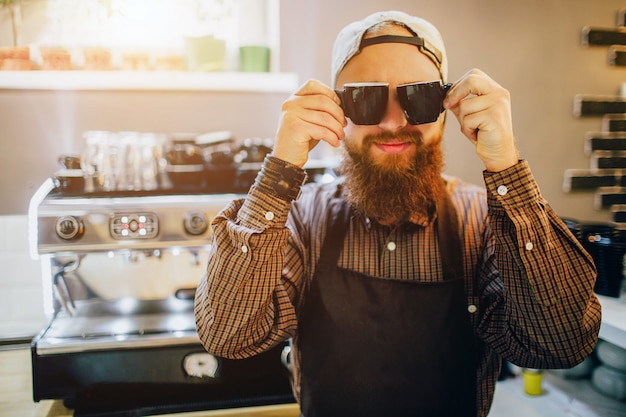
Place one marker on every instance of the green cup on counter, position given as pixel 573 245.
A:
pixel 254 58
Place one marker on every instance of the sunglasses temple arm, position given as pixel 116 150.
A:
pixel 446 87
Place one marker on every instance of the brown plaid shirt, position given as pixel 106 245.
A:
pixel 529 283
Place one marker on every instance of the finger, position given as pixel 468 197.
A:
pixel 470 126
pixel 317 109
pixel 323 104
pixel 473 83
pixel 322 126
pixel 464 111
pixel 471 105
pixel 315 87
pixel 483 112
pixel 310 129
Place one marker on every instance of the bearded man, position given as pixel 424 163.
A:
pixel 401 289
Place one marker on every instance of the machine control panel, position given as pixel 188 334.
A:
pixel 102 223
pixel 134 226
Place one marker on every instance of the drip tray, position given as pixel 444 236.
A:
pixel 125 323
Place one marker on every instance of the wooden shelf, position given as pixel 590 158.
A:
pixel 149 80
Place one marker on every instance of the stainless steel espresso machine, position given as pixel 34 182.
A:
pixel 119 271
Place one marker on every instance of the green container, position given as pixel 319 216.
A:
pixel 254 58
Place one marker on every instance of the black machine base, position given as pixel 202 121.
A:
pixel 148 381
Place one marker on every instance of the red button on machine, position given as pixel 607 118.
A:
pixel 134 226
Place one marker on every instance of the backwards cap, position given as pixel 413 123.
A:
pixel 425 37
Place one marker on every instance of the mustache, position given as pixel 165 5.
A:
pixel 410 137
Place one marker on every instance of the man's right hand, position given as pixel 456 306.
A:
pixel 312 114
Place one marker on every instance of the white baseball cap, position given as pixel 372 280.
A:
pixel 426 38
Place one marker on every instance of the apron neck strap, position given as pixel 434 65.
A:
pixel 449 239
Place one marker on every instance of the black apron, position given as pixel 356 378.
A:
pixel 382 347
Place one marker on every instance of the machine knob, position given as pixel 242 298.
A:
pixel 69 227
pixel 196 223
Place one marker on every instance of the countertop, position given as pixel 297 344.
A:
pixel 560 398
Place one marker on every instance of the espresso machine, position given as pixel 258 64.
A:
pixel 119 272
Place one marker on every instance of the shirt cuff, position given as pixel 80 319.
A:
pixel 261 211
pixel 512 187
pixel 269 199
pixel 280 178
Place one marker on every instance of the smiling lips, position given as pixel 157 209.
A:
pixel 393 147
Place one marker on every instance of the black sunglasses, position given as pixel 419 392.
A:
pixel 366 103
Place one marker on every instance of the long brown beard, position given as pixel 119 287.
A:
pixel 395 190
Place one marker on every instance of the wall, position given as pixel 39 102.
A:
pixel 531 47
pixel 21 310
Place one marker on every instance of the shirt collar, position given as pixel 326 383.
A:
pixel 411 225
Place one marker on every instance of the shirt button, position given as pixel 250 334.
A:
pixel 269 216
pixel 529 246
pixel 244 249
pixel 472 308
pixel 391 246
pixel 502 190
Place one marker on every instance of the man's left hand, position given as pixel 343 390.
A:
pixel 483 109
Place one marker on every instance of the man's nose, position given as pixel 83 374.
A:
pixel 394 118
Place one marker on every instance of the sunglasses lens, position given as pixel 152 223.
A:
pixel 364 104
pixel 422 102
